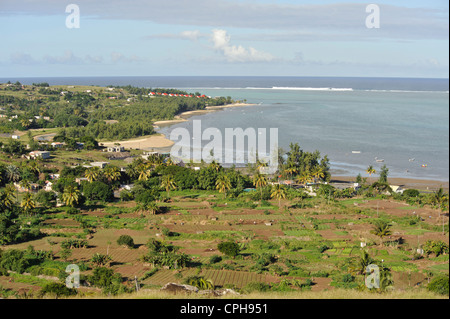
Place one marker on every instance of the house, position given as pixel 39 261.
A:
pixel 58 145
pixel 128 187
pixel 397 189
pixel 99 164
pixel 147 155
pixel 40 154
pixel 79 180
pixel 48 186
pixel 116 149
pixel 32 187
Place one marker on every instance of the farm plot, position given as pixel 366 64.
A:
pixel 61 222
pixel 219 277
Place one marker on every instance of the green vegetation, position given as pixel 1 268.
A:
pixel 211 227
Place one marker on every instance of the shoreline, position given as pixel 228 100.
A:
pixel 151 141
pixel 183 117
pixel 159 140
pixel 404 182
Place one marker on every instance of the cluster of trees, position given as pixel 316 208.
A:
pixel 85 113
pixel 304 167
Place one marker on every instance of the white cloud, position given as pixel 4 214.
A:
pixel 193 35
pixel 119 57
pixel 237 53
pixel 190 35
pixel 67 58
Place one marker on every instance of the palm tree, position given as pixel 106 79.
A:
pixel 304 178
pixel 440 199
pixel 153 208
pixel 92 174
pixel 34 167
pixel 291 171
pixel 200 283
pixel 223 184
pixel 144 171
pixel 150 207
pixel 279 192
pixel 215 166
pixel 260 181
pixel 318 173
pixel 168 183
pixel 71 196
pixel 361 264
pixel 261 165
pixel 169 162
pixel 370 170
pixel 10 195
pixel 28 204
pixel 100 260
pixel 381 229
pixel 7 197
pixel 12 173
pixel 112 173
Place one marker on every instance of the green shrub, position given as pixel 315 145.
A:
pixel 411 193
pixel 103 277
pixel 58 290
pixel 435 247
pixel 230 248
pixel 72 211
pixel 320 274
pixel 126 240
pixel 298 273
pixel 256 286
pixel 439 285
pixel 74 243
pixel 215 259
pixel 200 282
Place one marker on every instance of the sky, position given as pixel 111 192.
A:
pixel 224 38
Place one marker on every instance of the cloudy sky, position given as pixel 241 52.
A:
pixel 224 37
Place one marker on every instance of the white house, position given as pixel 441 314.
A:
pixel 99 164
pixel 397 189
pixel 58 145
pixel 116 149
pixel 48 186
pixel 41 154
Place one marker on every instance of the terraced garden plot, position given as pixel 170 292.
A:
pixel 61 222
pixel 194 229
pixel 332 235
pixel 219 277
pixel 258 217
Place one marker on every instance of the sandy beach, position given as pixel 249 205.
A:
pixel 420 184
pixel 153 141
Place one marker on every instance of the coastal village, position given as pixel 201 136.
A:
pixel 123 206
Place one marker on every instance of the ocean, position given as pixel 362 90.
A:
pixel 405 122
